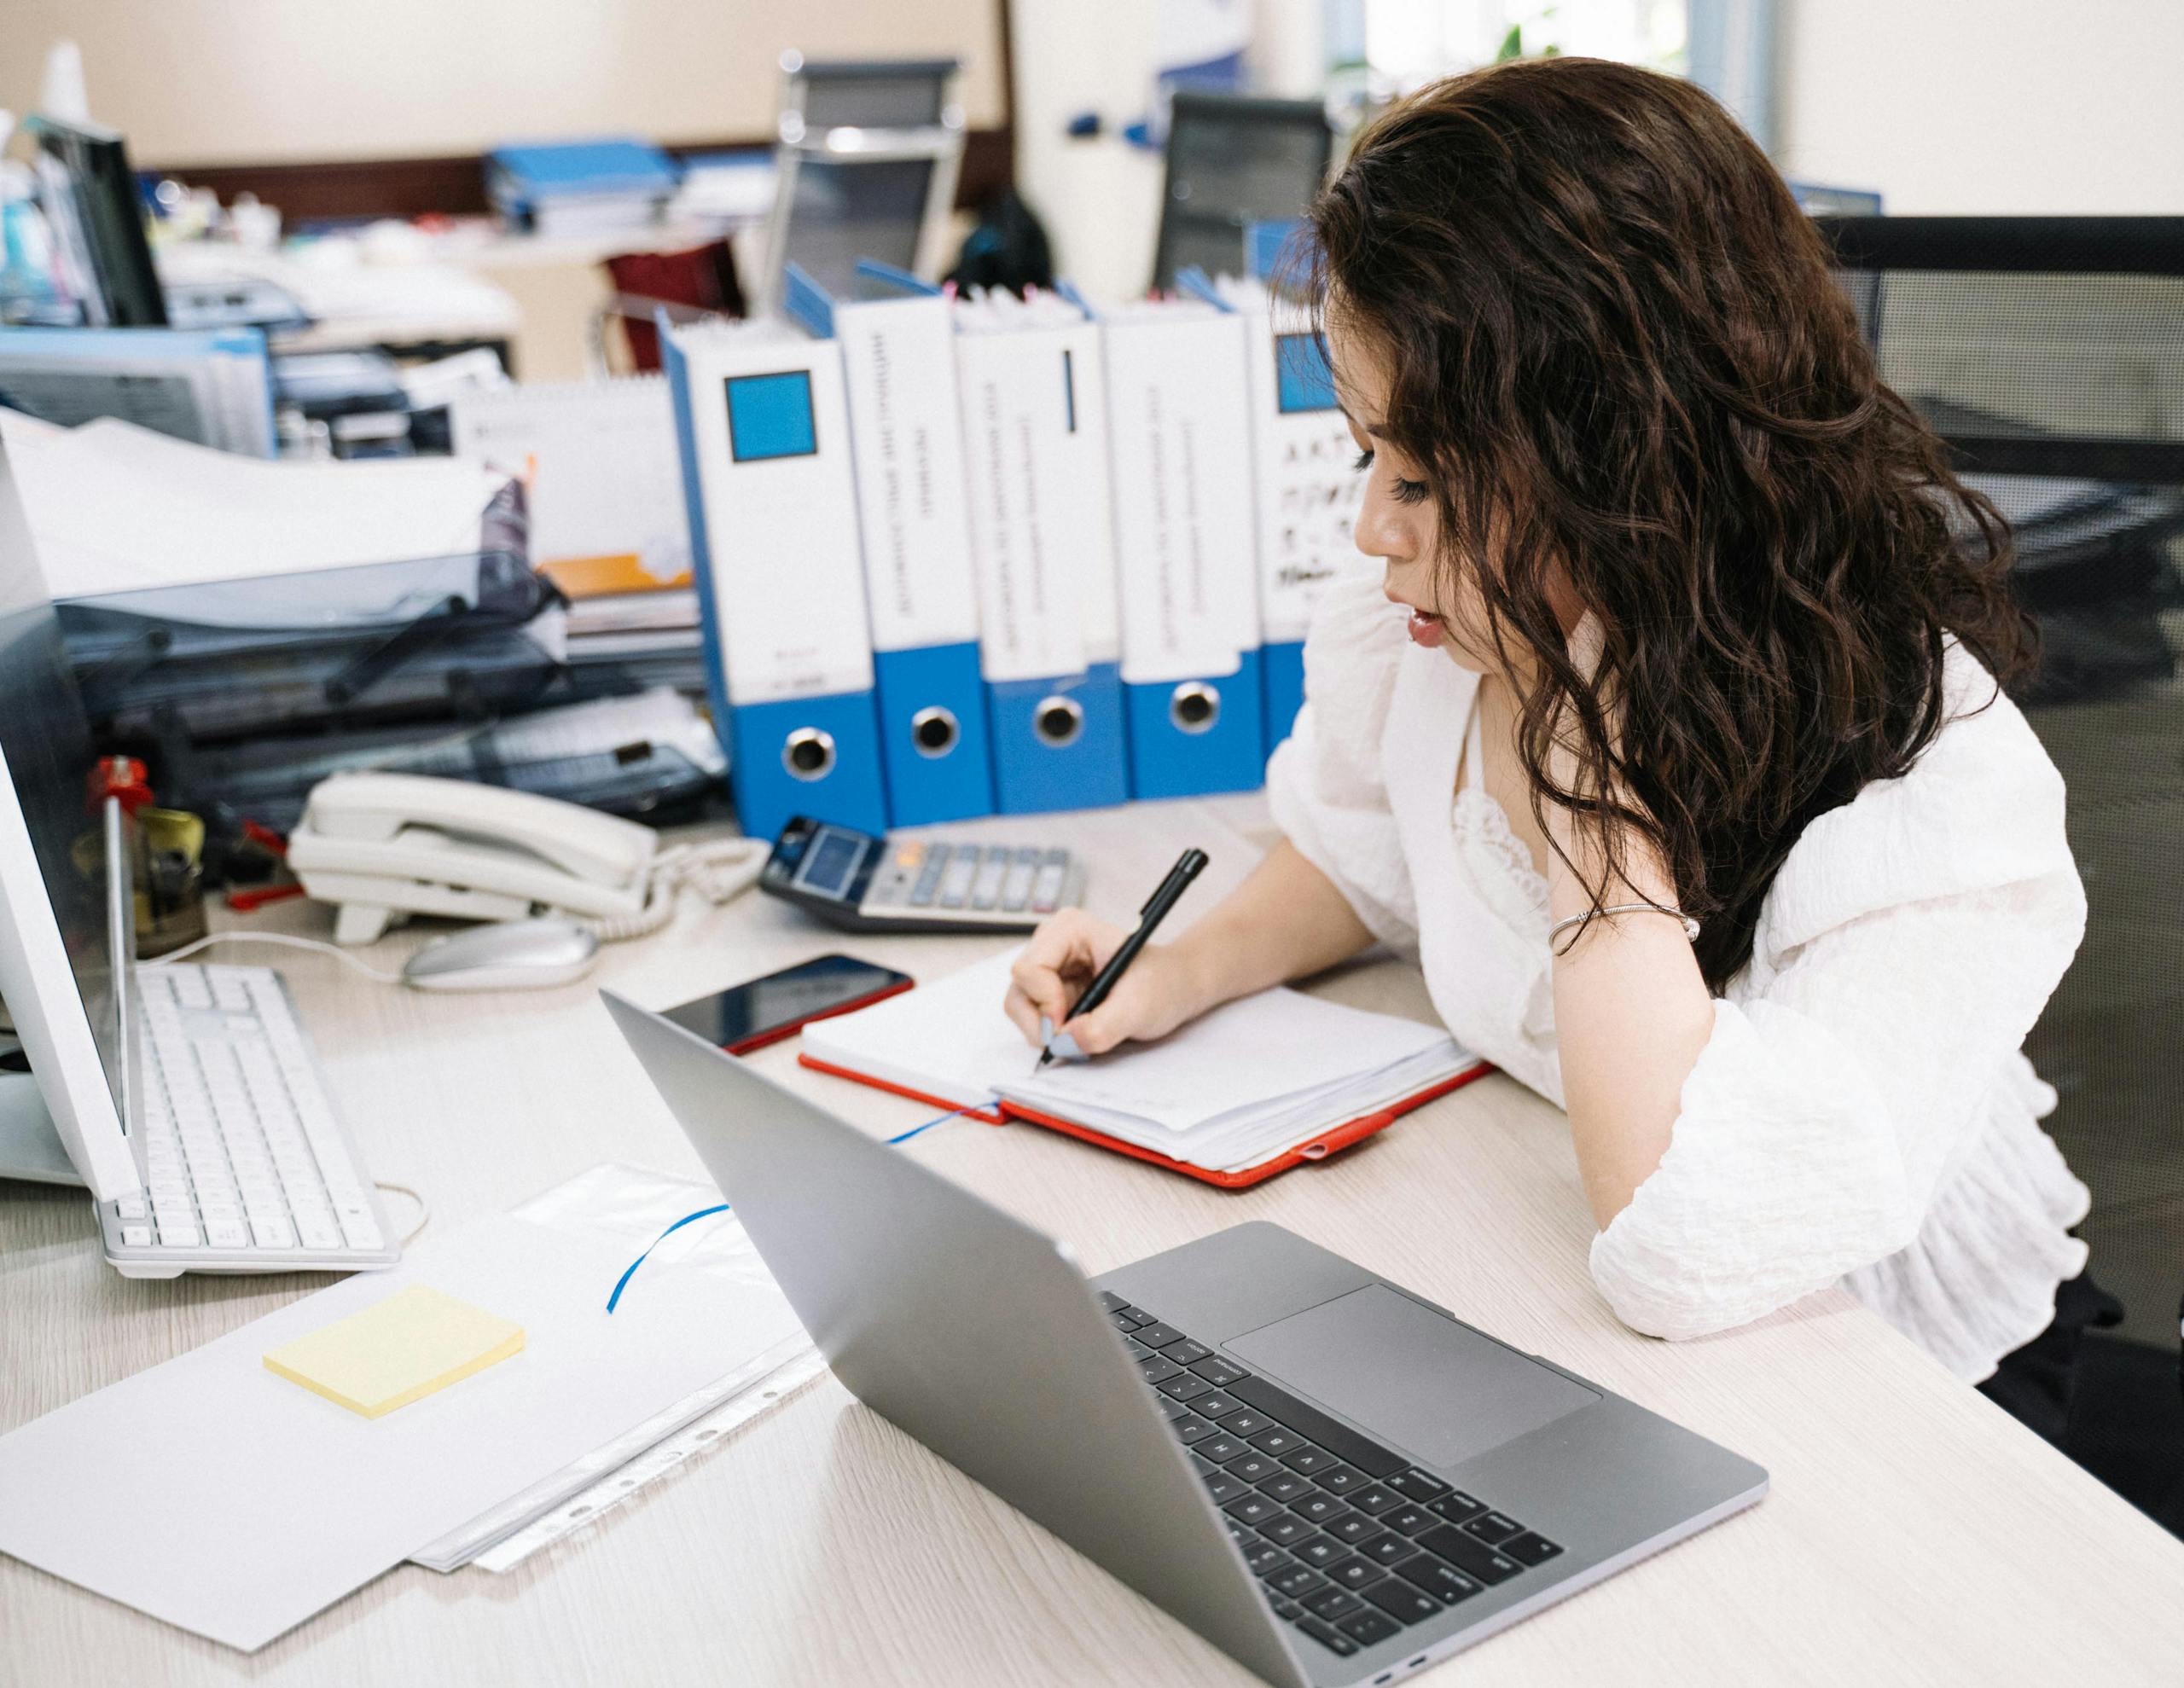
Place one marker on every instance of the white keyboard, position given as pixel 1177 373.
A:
pixel 246 1170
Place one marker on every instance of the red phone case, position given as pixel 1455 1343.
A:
pixel 775 1034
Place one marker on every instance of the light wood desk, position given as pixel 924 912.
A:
pixel 1913 1534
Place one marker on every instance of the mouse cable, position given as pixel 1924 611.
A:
pixel 291 942
pixel 424 1209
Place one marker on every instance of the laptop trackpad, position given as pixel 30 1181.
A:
pixel 1405 1372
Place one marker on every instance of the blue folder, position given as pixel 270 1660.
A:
pixel 931 698
pixel 818 755
pixel 1060 742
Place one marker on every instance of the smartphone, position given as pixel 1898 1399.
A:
pixel 749 1016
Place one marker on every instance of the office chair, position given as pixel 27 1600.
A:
pixel 866 169
pixel 2049 353
pixel 688 286
pixel 819 94
pixel 1234 160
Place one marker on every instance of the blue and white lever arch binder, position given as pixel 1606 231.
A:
pixel 1179 430
pixel 899 364
pixel 1307 483
pixel 1035 435
pixel 764 442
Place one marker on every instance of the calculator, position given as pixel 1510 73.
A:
pixel 864 884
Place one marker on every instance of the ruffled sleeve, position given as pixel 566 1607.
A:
pixel 1907 946
pixel 1324 783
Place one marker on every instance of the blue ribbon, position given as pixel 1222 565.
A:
pixel 623 1282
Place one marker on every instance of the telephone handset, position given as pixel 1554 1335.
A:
pixel 384 846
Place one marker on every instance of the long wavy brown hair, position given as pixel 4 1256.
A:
pixel 1615 343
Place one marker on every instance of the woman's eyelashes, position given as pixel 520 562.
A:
pixel 1407 491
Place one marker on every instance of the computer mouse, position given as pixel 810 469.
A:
pixel 504 955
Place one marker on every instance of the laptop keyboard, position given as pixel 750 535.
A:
pixel 1351 1541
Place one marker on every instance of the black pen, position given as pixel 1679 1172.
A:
pixel 1148 918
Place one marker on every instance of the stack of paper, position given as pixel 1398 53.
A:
pixel 120 509
pixel 1247 1082
pixel 212 387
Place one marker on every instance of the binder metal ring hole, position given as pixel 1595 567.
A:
pixel 935 731
pixel 1195 706
pixel 808 753
pixel 1058 721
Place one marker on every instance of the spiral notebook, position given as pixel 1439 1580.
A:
pixel 1257 1086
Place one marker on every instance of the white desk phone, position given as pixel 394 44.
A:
pixel 381 847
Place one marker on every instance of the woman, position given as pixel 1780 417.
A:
pixel 1672 738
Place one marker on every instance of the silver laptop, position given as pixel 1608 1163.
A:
pixel 1329 1478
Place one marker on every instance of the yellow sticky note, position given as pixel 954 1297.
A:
pixel 396 1351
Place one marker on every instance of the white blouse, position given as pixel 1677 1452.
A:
pixel 1863 1113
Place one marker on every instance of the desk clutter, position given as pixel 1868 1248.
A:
pixel 928 555
pixel 448 1409
pixel 249 628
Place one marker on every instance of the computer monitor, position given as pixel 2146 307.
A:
pixel 68 923
pixel 90 195
pixel 817 96
pixel 1234 160
pixel 884 197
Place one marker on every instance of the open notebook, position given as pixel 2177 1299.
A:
pixel 1249 1090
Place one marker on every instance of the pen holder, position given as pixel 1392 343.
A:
pixel 170 880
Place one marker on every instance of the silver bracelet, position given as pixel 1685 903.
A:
pixel 1690 926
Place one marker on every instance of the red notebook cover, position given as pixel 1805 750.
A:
pixel 1317 1147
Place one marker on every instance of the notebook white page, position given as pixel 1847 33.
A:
pixel 949 1039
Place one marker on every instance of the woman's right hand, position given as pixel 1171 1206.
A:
pixel 1155 996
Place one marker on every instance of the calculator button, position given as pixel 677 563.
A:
pixel 1047 886
pixel 1016 891
pixel 955 883
pixel 985 892
pixel 928 885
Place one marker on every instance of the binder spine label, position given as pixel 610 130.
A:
pixel 1180 431
pixel 898 358
pixel 1036 448
pixel 770 442
pixel 1307 483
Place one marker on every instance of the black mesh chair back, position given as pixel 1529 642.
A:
pixel 2049 352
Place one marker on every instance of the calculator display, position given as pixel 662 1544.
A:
pixel 832 862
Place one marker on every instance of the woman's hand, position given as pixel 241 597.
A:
pixel 1155 996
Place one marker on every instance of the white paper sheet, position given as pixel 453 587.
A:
pixel 116 507
pixel 1255 1054
pixel 949 1039
pixel 218 1497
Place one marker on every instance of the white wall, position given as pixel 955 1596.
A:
pixel 1100 200
pixel 2003 107
pixel 210 81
